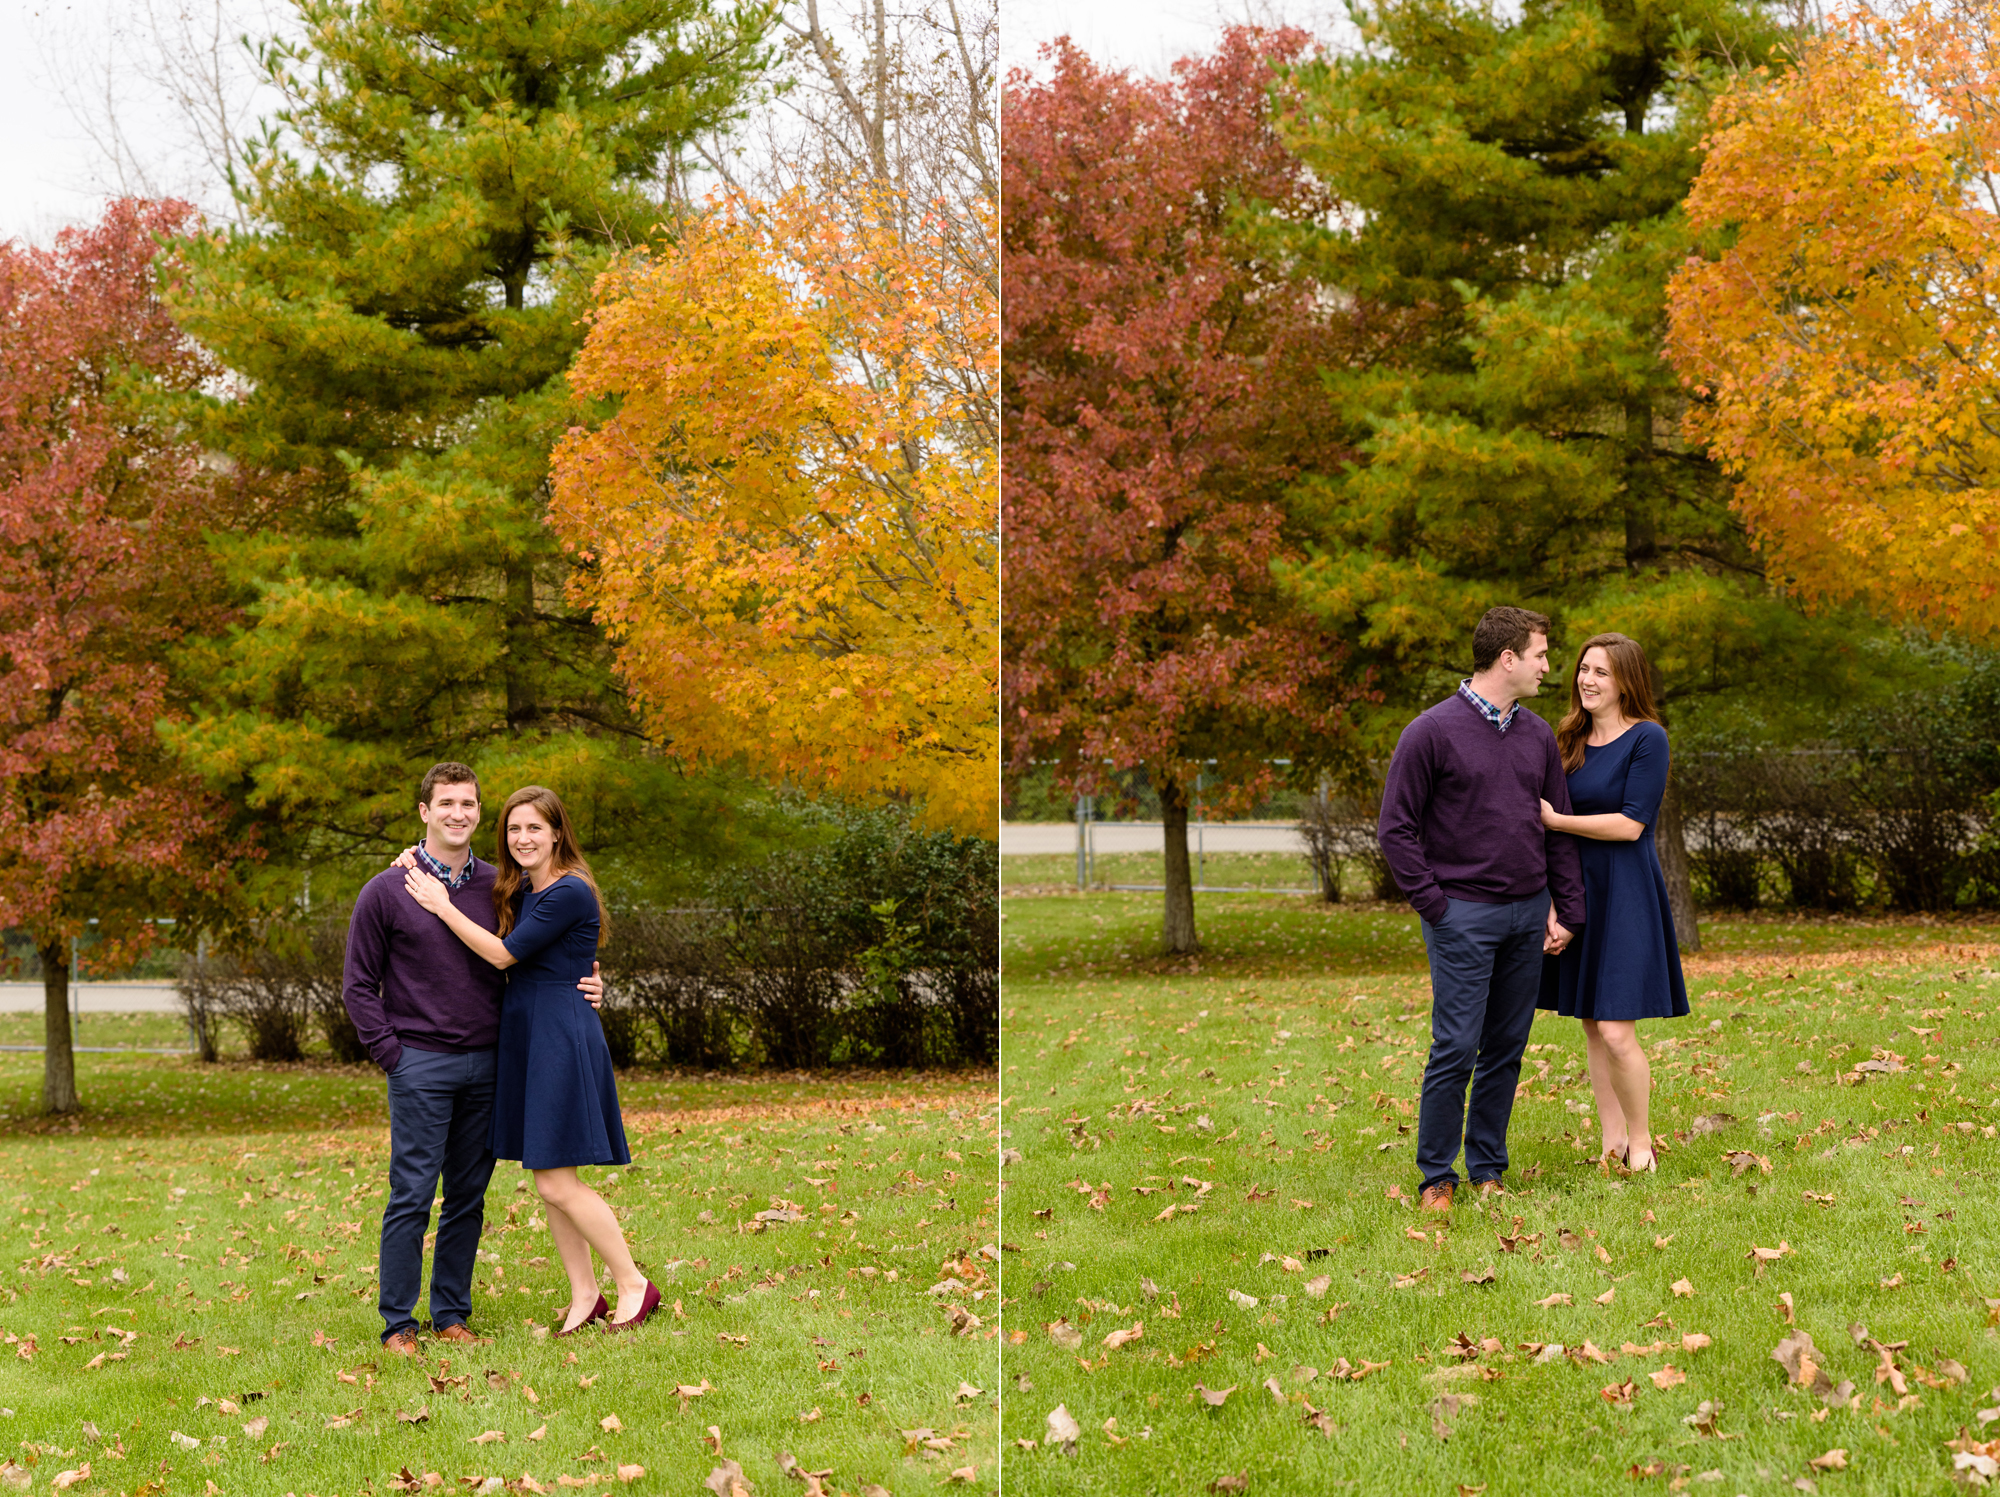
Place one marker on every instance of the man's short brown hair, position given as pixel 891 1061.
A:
pixel 1505 629
pixel 448 773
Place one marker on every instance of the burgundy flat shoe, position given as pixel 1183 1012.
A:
pixel 599 1313
pixel 646 1307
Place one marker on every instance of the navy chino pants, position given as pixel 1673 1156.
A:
pixel 440 1117
pixel 1486 969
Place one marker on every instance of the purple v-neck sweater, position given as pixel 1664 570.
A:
pixel 1461 814
pixel 410 980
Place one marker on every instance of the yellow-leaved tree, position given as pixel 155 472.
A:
pixel 789 514
pixel 1841 339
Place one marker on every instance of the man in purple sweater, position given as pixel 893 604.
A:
pixel 1461 829
pixel 428 1010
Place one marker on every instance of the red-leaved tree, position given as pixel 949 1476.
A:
pixel 1159 396
pixel 101 570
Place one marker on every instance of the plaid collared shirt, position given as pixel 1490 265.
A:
pixel 1487 710
pixel 442 871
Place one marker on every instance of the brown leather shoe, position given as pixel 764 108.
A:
pixel 1437 1197
pixel 461 1332
pixel 1487 1188
pixel 403 1344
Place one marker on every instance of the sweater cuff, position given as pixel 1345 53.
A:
pixel 1433 912
pixel 389 1054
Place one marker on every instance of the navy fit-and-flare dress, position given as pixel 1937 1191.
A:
pixel 555 1099
pixel 1625 963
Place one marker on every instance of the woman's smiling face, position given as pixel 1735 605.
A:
pixel 1596 687
pixel 530 837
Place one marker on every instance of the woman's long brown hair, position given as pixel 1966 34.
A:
pixel 564 857
pixel 1629 673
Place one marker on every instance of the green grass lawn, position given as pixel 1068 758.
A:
pixel 1255 870
pixel 192 1302
pixel 146 1031
pixel 1220 1152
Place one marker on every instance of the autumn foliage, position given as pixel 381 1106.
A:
pixel 1161 392
pixel 1841 341
pixel 101 510
pixel 788 517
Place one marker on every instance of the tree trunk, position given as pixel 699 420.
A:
pixel 1671 838
pixel 522 708
pixel 1642 543
pixel 1177 929
pixel 58 1058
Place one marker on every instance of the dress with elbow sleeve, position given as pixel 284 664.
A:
pixel 555 1099
pixel 1625 963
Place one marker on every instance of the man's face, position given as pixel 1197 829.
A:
pixel 1523 673
pixel 451 818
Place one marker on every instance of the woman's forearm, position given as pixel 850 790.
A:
pixel 1607 826
pixel 483 942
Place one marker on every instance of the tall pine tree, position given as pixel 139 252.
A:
pixel 1514 184
pixel 424 221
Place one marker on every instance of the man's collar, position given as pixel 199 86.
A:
pixel 1487 710
pixel 442 871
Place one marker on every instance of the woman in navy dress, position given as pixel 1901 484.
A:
pixel 555 1098
pixel 1626 964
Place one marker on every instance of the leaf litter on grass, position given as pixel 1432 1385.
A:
pixel 1300 1074
pixel 199 1239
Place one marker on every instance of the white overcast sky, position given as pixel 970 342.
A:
pixel 56 53
pixel 46 174
pixel 51 175
pixel 1147 36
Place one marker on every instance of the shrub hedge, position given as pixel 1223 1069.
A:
pixel 878 948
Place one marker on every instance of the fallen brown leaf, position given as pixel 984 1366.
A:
pixel 1801 1361
pixel 1063 1430
pixel 1124 1337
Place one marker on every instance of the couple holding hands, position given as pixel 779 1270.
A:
pixel 1529 855
pixel 473 986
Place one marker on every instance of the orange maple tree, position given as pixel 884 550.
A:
pixel 790 517
pixel 1841 339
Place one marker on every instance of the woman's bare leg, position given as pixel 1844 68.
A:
pixel 585 1210
pixel 1631 1081
pixel 576 1263
pixel 1614 1136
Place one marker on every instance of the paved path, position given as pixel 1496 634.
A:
pixel 1046 837
pixel 95 997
